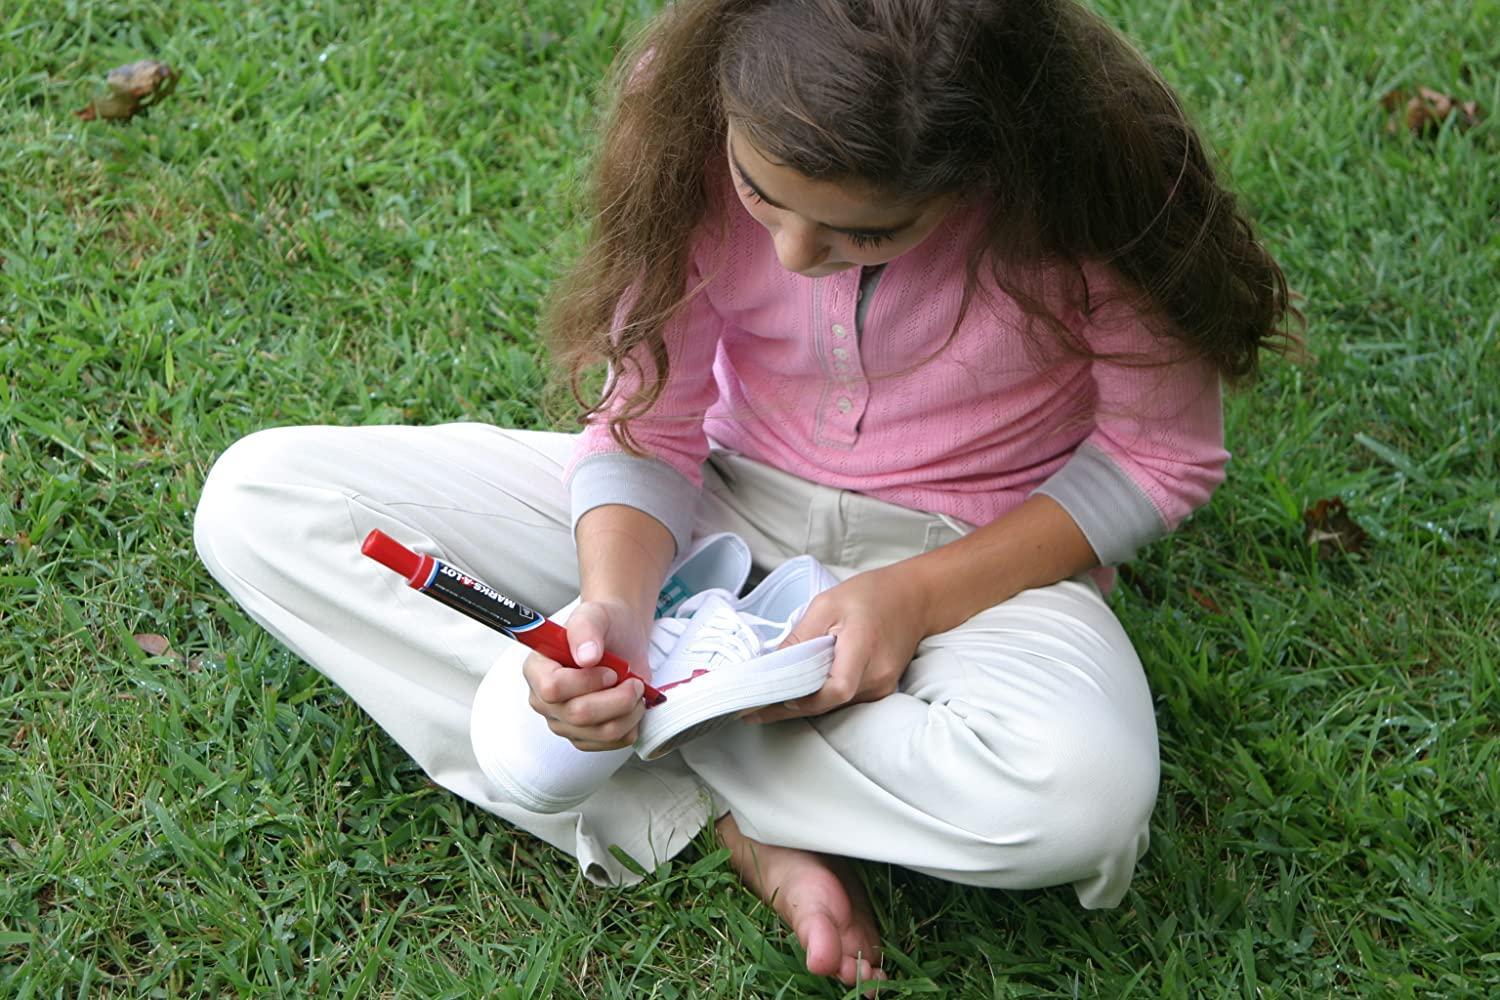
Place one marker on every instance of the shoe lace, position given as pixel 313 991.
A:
pixel 721 639
pixel 772 632
pixel 724 639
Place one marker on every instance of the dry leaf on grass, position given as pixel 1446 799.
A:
pixel 131 88
pixel 158 645
pixel 1423 113
pixel 1205 600
pixel 154 645
pixel 1332 530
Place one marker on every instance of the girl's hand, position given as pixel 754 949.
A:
pixel 584 704
pixel 878 618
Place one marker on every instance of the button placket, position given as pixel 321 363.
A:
pixel 849 403
pixel 845 394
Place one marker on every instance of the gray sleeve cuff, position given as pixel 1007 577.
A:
pixel 1114 514
pixel 650 486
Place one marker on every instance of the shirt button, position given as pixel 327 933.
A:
pixel 840 353
pixel 845 404
pixel 839 331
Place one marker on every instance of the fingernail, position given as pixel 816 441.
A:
pixel 638 688
pixel 588 650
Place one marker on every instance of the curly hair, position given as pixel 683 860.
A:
pixel 1082 154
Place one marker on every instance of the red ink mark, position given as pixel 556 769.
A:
pixel 693 676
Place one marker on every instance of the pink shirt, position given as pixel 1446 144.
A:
pixel 771 364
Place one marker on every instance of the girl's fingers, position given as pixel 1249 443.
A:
pixel 845 684
pixel 805 708
pixel 814 623
pixel 851 658
pixel 611 734
pixel 772 713
pixel 624 701
pixel 589 746
pixel 554 683
pixel 593 719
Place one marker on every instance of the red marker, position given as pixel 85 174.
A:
pixel 487 605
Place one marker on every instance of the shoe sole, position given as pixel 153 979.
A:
pixel 713 700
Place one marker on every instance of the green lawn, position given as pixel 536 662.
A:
pixel 348 212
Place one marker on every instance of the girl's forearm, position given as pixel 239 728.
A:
pixel 1034 545
pixel 623 555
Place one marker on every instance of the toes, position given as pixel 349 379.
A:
pixel 853 970
pixel 820 940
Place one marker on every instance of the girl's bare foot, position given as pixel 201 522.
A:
pixel 819 897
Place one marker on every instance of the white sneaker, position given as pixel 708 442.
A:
pixel 534 767
pixel 715 562
pixel 724 660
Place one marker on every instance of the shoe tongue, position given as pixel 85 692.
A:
pixel 716 634
pixel 689 607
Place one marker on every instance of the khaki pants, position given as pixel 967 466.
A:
pixel 1019 752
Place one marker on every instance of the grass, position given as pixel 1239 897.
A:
pixel 349 213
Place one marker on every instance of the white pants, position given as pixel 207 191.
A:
pixel 1019 752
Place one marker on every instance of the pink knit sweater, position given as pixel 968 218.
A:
pixel 773 365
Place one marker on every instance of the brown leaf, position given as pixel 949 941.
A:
pixel 131 88
pixel 1332 530
pixel 1205 601
pixel 159 645
pixel 153 644
pixel 1423 113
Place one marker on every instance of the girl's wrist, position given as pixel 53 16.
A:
pixel 919 590
pixel 1035 545
pixel 630 605
pixel 623 554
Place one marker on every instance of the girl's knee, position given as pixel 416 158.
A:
pixel 1077 808
pixel 239 505
pixel 1104 789
pixel 1109 768
pixel 277 454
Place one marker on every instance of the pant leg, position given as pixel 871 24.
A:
pixel 1011 756
pixel 279 525
pixel 1020 750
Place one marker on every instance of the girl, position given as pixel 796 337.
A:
pixel 940 293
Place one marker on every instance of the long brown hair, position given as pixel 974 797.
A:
pixel 1079 150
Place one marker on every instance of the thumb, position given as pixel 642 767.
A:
pixel 587 627
pixel 809 627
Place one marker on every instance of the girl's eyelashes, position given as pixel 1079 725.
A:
pixel 865 242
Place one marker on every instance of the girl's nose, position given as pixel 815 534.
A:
pixel 798 246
